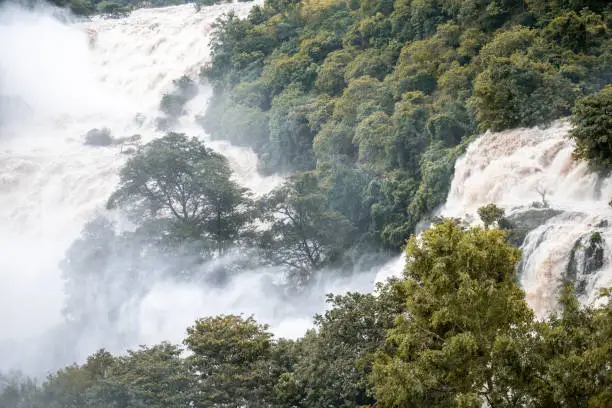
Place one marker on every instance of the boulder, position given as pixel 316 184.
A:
pixel 99 137
pixel 521 222
pixel 586 257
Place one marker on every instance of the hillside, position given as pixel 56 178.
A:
pixel 380 97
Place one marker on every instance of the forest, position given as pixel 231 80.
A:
pixel 364 105
pixel 378 98
pixel 454 331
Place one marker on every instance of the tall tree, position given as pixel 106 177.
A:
pixel 572 355
pixel 592 129
pixel 461 297
pixel 303 234
pixel 337 356
pixel 17 391
pixel 187 190
pixel 231 357
pixel 157 377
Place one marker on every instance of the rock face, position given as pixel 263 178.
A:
pixel 99 137
pixel 586 257
pixel 520 223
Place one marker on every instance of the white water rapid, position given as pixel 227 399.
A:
pixel 51 184
pixel 558 207
pixel 518 170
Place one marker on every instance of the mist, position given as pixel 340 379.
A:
pixel 52 185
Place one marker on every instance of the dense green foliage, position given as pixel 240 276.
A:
pixel 490 214
pixel 592 129
pixel 462 302
pixel 184 191
pixel 368 103
pixel 303 233
pixel 454 331
pixel 385 94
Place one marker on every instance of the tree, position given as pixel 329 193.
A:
pixel 153 377
pixel 592 131
pixel 17 391
pixel 157 377
pixel 490 214
pixel 572 354
pixel 330 78
pixel 98 274
pixel 172 104
pixel 231 357
pixel 290 145
pixel 336 358
pixel 187 190
pixel 374 136
pixel 461 297
pixel 304 234
pixel 70 387
pixel 514 92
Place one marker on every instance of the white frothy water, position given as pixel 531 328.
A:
pixel 513 168
pixel 50 183
pixel 518 167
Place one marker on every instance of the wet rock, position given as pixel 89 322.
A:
pixel 99 137
pixel 602 224
pixel 127 140
pixel 586 257
pixel 520 223
pixel 128 150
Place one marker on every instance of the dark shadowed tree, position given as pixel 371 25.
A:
pixel 187 190
pixel 303 233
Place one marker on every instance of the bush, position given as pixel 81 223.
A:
pixel 514 92
pixel 99 137
pixel 592 120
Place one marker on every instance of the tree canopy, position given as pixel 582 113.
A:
pixel 396 89
pixel 453 331
pixel 592 131
pixel 187 190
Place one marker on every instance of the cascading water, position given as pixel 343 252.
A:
pixel 559 210
pixel 51 184
pixel 555 202
pixel 70 78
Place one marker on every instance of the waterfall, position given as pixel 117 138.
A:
pixel 558 203
pixel 59 80
pixel 559 210
pixel 65 79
